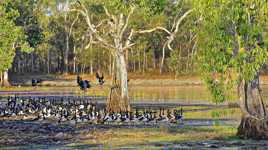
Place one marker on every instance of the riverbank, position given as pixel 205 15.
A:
pixel 135 80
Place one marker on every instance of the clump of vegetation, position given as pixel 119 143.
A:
pixel 233 49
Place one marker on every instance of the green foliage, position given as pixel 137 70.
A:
pixel 28 20
pixel 11 35
pixel 174 62
pixel 231 42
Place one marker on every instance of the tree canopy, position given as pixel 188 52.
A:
pixel 232 42
pixel 12 36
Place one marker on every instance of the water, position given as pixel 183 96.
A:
pixel 179 94
pixel 197 94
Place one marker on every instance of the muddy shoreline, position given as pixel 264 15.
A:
pixel 36 135
pixel 50 135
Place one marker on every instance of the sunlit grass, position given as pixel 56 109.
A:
pixel 150 137
pixel 229 113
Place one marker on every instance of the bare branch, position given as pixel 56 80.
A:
pixel 127 20
pixel 107 12
pixel 83 13
pixel 92 28
pixel 71 28
pixel 101 22
pixel 172 36
pixel 169 41
pixel 154 29
pixel 127 44
pixel 181 19
pixel 174 21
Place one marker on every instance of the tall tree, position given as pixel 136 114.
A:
pixel 114 32
pixel 233 48
pixel 9 42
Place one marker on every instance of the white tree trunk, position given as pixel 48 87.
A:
pixel 66 55
pixel 162 61
pixel 91 67
pixel 74 60
pixel 67 46
pixel 5 79
pixel 122 74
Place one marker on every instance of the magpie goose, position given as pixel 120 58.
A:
pixel 83 84
pixel 100 78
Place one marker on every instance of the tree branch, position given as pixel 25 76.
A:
pixel 127 44
pixel 126 23
pixel 84 13
pixel 71 28
pixel 181 19
pixel 153 29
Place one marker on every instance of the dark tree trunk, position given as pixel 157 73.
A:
pixel 254 120
pixel 48 62
pixel 32 62
pixel 1 78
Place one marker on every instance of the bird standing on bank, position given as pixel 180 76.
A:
pixel 100 79
pixel 83 84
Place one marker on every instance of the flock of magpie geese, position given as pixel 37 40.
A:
pixel 74 111
pixel 82 110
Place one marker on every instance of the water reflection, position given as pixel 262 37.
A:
pixel 181 94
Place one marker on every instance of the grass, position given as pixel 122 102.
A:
pixel 154 137
pixel 219 113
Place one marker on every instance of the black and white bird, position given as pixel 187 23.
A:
pixel 83 84
pixel 36 82
pixel 100 78
pixel 178 114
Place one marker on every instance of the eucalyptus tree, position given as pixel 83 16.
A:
pixel 111 36
pixel 12 38
pixel 232 43
pixel 109 26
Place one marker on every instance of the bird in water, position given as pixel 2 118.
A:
pixel 82 110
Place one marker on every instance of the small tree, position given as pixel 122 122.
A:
pixel 233 48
